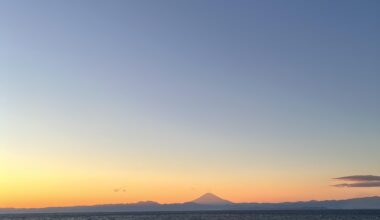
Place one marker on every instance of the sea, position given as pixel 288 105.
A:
pixel 208 215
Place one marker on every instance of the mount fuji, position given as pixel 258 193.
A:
pixel 211 199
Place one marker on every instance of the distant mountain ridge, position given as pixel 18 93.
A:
pixel 207 202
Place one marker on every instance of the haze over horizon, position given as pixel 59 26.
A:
pixel 123 101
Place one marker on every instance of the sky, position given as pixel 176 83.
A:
pixel 121 101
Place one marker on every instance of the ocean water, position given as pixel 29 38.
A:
pixel 223 215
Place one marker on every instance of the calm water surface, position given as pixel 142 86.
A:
pixel 224 215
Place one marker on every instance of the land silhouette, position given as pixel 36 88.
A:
pixel 207 202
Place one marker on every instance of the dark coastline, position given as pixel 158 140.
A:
pixel 320 212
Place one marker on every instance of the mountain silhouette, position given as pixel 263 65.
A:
pixel 207 202
pixel 211 199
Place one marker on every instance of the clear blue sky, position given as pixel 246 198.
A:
pixel 254 89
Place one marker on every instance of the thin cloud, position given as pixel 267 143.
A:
pixel 360 178
pixel 359 181
pixel 361 184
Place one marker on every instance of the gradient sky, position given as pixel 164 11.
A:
pixel 250 100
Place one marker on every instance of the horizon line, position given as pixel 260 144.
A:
pixel 158 203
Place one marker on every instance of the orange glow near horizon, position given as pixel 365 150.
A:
pixel 60 189
pixel 26 183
